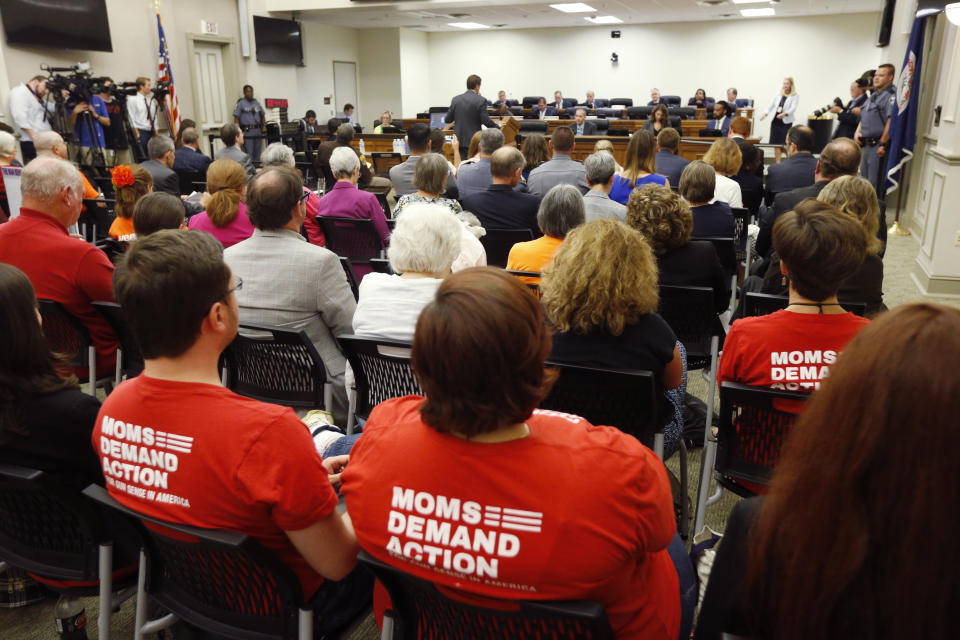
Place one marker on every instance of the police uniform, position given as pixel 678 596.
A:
pixel 873 119
pixel 249 112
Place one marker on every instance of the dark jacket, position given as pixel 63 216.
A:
pixel 794 172
pixel 467 112
pixel 751 189
pixel 547 111
pixel 164 178
pixel 696 265
pixel 189 160
pixel 321 162
pixel 501 207
pixel 589 128
pixel 782 203
pixel 713 221
pixel 849 121
pixel 671 165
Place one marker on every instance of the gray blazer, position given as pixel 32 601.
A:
pixel 401 176
pixel 468 111
pixel 561 169
pixel 164 178
pixel 598 205
pixel 239 155
pixel 293 284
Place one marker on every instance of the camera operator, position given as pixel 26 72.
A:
pixel 849 116
pixel 88 132
pixel 142 109
pixel 31 113
pixel 251 118
pixel 116 147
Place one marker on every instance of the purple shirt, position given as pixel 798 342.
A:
pixel 240 229
pixel 347 201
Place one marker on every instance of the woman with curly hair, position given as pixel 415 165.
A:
pixel 666 222
pixel 226 215
pixel 130 184
pixel 535 152
pixel 605 310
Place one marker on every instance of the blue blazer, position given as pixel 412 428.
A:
pixel 549 111
pixel 671 166
pixel 724 125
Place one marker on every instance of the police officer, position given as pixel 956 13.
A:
pixel 873 134
pixel 251 118
pixel 849 116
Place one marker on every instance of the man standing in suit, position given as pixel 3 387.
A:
pixel 669 164
pixel 798 169
pixel 582 126
pixel 468 111
pixel 499 205
pixel 542 110
pixel 162 156
pixel 849 116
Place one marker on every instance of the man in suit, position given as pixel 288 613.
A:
pixel 232 138
pixel 500 206
pixel 561 169
pixel 501 99
pixel 162 156
pixel 592 103
pixel 798 169
pixel 401 175
pixel 849 116
pixel 188 159
pixel 669 164
pixel 655 98
pixel 475 176
pixel 597 204
pixel 582 126
pixel 839 158
pixel 542 110
pixel 557 101
pixel 721 117
pixel 468 111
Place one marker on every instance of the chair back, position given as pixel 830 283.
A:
pixel 752 431
pixel 530 101
pixel 381 265
pixel 690 313
pixel 352 279
pixel 761 304
pixel 420 610
pixel 498 242
pixel 602 125
pixel 639 113
pixel 224 582
pixel 65 333
pixel 381 370
pixel 687 113
pixel 621 102
pixel 628 400
pixel 383 162
pixel 527 274
pixel 671 100
pixel 533 126
pixel 727 252
pixel 132 357
pixel 741 220
pixel 354 238
pixel 187 180
pixel 275 365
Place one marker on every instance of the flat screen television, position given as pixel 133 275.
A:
pixel 278 41
pixel 61 24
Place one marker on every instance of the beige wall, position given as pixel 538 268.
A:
pixel 379 75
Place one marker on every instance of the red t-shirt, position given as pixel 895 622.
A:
pixel 572 511
pixel 70 271
pixel 200 455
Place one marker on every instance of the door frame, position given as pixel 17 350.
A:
pixel 356 84
pixel 231 75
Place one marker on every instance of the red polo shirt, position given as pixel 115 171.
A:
pixel 61 268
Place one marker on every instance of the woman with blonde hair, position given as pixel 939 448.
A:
pixel 604 310
pixel 606 146
pixel 639 169
pixel 725 157
pixel 130 183
pixel 535 152
pixel 785 105
pixel 226 215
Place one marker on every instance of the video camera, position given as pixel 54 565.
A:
pixel 837 102
pixel 80 84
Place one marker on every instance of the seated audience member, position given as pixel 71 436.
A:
pixel 604 312
pixel 667 162
pixel 486 397
pixel 666 223
pixel 401 175
pixel 812 559
pixel 725 157
pixel 49 144
pixel 800 166
pixel 596 202
pixel 188 158
pixel 185 124
pixel 345 200
pixel 438 143
pixel 226 215
pixel 655 98
pixel 841 157
pixel 606 146
pixel 423 247
pixel 162 156
pixel 157 211
pixel 699 100
pixel 344 135
pixel 658 121
pixel 710 219
pixel 582 126
pixel 560 211
pixel 473 151
pixel 751 184
pixel 542 110
pixel 640 167
pixel 333 124
pixel 232 138
pixel 386 120
pixel 61 268
pixel 739 130
pixel 535 152
pixel 819 248
pixel 278 154
pixel 266 262
pixel 500 206
pixel 251 466
pixel 8 157
pixel 430 180
pixel 129 185
pixel 721 117
pixel 561 168
pixel 475 177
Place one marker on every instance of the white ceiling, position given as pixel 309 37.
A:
pixel 433 15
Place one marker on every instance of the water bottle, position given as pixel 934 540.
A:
pixel 71 619
pixel 363 149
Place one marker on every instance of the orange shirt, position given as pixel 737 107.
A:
pixel 122 229
pixel 532 255
pixel 89 191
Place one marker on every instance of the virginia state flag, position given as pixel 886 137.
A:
pixel 903 123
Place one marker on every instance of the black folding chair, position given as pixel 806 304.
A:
pixel 353 238
pixel 223 582
pixel 381 265
pixel 498 242
pixel 741 219
pixel 761 304
pixel 57 534
pixel 727 252
pixel 276 365
pixel 751 434
pixel 95 218
pixel 381 370
pixel 188 179
pixel 419 610
pixel 352 278
pixel 129 358
pixel 67 335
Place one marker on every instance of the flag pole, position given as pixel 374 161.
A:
pixel 895 229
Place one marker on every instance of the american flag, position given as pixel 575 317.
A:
pixel 165 74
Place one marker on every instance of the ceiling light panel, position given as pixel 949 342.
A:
pixel 573 7
pixel 758 13
pixel 468 25
pixel 604 20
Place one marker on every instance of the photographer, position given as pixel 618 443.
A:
pixel 117 148
pixel 849 116
pixel 31 113
pixel 142 109
pixel 251 118
pixel 88 129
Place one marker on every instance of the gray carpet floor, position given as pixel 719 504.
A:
pixel 36 622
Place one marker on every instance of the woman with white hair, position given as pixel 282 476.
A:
pixel 345 200
pixel 278 154
pixel 430 179
pixel 423 247
pixel 8 156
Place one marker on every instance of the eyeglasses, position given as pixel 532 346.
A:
pixel 304 196
pixel 237 285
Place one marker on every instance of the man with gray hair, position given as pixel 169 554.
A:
pixel 188 158
pixel 475 176
pixel 162 156
pixel 596 202
pixel 318 301
pixel 560 211
pixel 61 268
pixel 500 206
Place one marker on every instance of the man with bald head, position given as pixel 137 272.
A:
pixel 61 268
pixel 499 205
